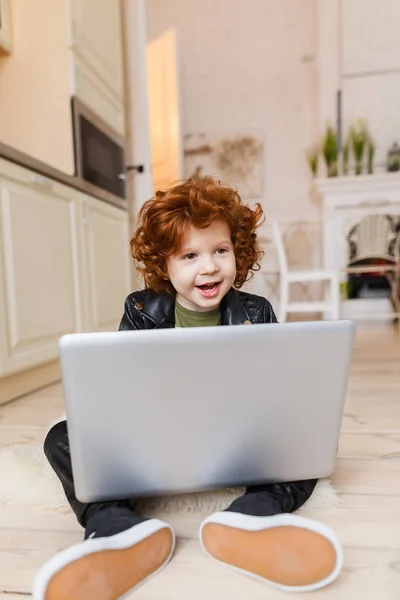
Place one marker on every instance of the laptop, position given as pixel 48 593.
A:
pixel 169 411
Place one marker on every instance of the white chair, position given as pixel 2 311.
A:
pixel 330 306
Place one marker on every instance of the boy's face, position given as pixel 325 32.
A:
pixel 204 269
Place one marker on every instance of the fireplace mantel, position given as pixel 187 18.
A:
pixel 345 201
pixel 357 190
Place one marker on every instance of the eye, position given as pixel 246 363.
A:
pixel 222 250
pixel 189 256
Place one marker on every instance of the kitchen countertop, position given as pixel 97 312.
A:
pixel 24 160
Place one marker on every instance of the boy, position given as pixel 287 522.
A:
pixel 195 246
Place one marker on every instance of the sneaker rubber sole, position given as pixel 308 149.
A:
pixel 289 552
pixel 109 567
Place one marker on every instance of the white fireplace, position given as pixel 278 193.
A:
pixel 345 202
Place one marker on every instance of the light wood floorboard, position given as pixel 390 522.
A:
pixel 367 477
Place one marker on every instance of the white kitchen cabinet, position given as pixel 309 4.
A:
pixel 64 266
pixel 97 58
pixel 106 263
pixel 86 87
pixel 39 267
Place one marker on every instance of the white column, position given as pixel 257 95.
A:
pixel 138 131
pixel 138 151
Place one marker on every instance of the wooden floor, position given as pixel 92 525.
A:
pixel 367 476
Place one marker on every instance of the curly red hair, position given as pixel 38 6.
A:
pixel 163 219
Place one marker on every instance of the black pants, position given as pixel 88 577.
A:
pixel 259 500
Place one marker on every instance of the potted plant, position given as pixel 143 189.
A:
pixel 370 155
pixel 330 151
pixel 393 161
pixel 313 159
pixel 359 139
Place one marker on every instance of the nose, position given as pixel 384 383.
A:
pixel 208 265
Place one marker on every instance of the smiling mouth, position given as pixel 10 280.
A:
pixel 209 289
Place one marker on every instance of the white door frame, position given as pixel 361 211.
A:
pixel 138 151
pixel 138 138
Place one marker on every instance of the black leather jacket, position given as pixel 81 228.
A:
pixel 147 309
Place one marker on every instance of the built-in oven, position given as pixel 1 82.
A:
pixel 99 153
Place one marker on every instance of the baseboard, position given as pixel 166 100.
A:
pixel 367 308
pixel 25 382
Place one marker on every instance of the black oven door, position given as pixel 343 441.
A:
pixel 99 152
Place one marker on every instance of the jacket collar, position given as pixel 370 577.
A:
pixel 160 309
pixel 233 311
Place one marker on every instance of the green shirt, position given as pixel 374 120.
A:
pixel 194 318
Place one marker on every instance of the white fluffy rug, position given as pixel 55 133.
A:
pixel 27 480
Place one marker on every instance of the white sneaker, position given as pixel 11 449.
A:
pixel 106 568
pixel 292 553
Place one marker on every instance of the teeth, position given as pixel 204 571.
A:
pixel 208 287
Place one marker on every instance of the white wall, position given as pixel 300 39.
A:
pixel 371 68
pixel 275 66
pixel 35 113
pixel 245 65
